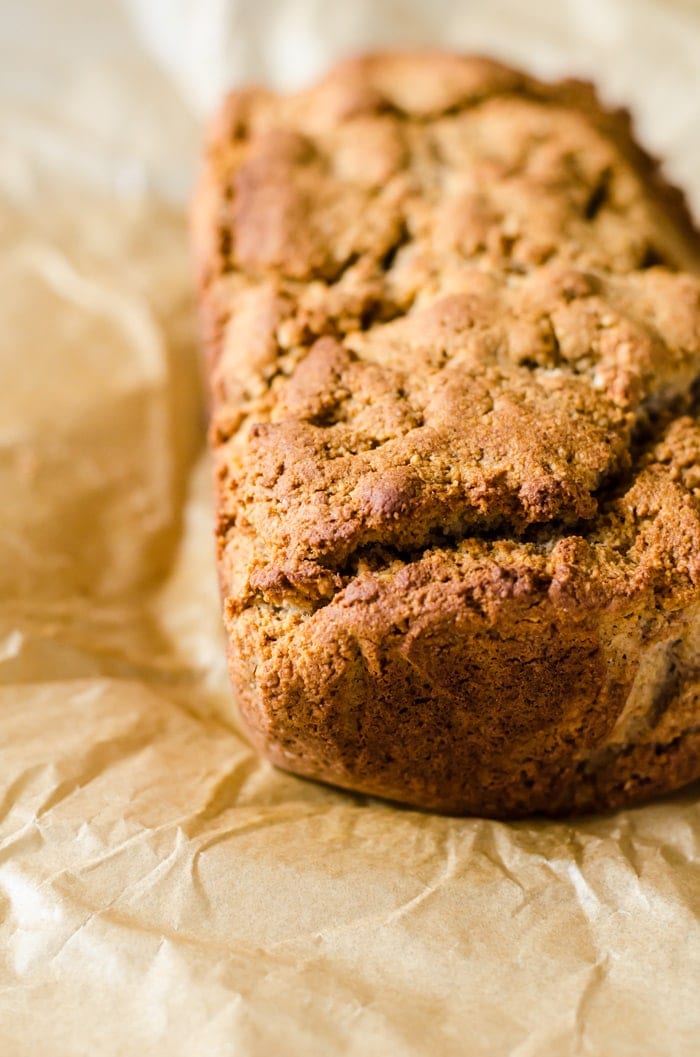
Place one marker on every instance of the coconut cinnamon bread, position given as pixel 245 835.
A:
pixel 451 317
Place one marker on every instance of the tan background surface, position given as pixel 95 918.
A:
pixel 162 892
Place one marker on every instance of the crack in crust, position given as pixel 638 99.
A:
pixel 452 321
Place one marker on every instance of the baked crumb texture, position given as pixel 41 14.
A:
pixel 452 324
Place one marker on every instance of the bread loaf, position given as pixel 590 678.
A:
pixel 451 320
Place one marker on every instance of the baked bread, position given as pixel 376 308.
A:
pixel 451 319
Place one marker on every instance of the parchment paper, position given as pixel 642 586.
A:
pixel 162 891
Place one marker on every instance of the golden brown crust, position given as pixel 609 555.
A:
pixel 452 321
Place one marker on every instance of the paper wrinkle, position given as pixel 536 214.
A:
pixel 141 332
pixel 162 890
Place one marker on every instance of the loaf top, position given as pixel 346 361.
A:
pixel 453 320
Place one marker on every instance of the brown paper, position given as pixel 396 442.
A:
pixel 162 891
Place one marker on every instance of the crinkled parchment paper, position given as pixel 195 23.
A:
pixel 163 892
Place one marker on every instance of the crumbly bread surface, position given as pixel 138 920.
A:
pixel 452 324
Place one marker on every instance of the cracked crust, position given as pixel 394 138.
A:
pixel 452 325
